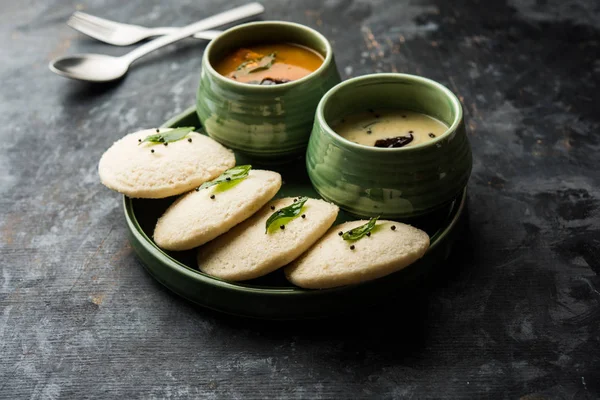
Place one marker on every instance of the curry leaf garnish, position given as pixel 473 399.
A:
pixel 286 212
pixel 256 65
pixel 232 174
pixel 242 65
pixel 248 62
pixel 264 63
pixel 360 231
pixel 172 135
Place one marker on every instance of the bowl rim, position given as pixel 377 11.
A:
pixel 327 59
pixel 320 117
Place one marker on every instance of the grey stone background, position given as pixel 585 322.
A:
pixel 514 314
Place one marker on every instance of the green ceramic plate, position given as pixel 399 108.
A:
pixel 272 297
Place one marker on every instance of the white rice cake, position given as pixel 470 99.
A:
pixel 196 218
pixel 331 262
pixel 134 170
pixel 247 252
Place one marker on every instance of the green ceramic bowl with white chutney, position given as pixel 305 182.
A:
pixel 265 123
pixel 398 183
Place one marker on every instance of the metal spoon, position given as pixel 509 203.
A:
pixel 103 68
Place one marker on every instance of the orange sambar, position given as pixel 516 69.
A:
pixel 269 63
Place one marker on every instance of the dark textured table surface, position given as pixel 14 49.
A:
pixel 514 314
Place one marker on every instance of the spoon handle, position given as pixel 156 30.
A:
pixel 233 15
pixel 208 34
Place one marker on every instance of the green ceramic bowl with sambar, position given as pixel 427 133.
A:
pixel 264 123
pixel 400 183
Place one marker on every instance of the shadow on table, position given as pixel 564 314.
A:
pixel 78 92
pixel 398 327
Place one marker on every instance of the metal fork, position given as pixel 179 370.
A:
pixel 120 34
